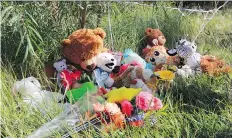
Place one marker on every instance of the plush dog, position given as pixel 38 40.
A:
pixel 214 66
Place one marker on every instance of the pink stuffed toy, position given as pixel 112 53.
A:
pixel 146 101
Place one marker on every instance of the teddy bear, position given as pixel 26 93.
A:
pixel 80 49
pixel 158 56
pixel 214 66
pixel 154 37
pixel 106 64
pixel 60 65
pixel 66 76
pixel 83 45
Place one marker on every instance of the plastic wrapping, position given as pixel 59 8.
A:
pixel 70 116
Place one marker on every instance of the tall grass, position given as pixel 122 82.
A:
pixel 31 33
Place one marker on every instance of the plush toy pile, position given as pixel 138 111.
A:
pixel 123 86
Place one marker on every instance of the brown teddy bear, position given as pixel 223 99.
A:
pixel 82 46
pixel 154 37
pixel 214 66
pixel 80 49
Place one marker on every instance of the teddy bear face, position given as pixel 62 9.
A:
pixel 60 65
pixel 106 61
pixel 156 55
pixel 154 37
pixel 82 45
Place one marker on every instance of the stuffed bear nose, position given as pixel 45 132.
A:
pixel 112 59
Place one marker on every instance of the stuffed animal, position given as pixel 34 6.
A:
pixel 66 76
pixel 105 64
pixel 154 37
pixel 214 66
pixel 158 56
pixel 30 89
pixel 83 45
pixel 187 50
pixel 130 57
pixel 60 66
pixel 140 73
pixel 129 72
pixel 138 83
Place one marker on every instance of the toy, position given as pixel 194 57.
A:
pixel 75 94
pixel 153 83
pixel 66 76
pixel 138 83
pixel 145 101
pixel 105 63
pixel 185 71
pixel 130 57
pixel 154 37
pixel 121 75
pixel 158 56
pixel 214 66
pixel 60 66
pixel 140 73
pixel 118 95
pixel 69 78
pixel 187 50
pixel 127 108
pixel 83 45
pixel 30 89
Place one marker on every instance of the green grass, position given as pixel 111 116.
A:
pixel 196 107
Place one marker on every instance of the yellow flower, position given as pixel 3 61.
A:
pixel 165 75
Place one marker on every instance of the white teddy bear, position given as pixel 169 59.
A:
pixel 60 66
pixel 30 89
pixel 105 63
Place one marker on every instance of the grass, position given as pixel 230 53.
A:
pixel 196 107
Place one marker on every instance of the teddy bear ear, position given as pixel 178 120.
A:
pixel 66 42
pixel 100 32
pixel 148 30
pixel 64 60
pixel 158 30
pixel 55 64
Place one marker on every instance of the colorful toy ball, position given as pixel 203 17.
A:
pixel 146 101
